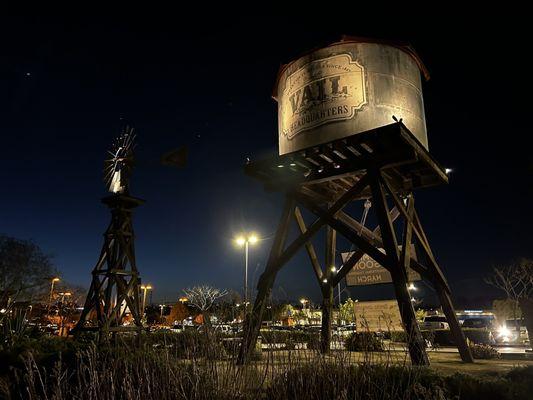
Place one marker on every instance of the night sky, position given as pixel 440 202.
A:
pixel 69 85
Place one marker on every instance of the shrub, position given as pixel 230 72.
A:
pixel 124 372
pixel 363 341
pixel 289 338
pixel 484 352
pixel 189 344
pixel 397 336
pixel 336 381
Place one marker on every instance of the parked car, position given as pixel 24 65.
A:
pixel 479 323
pixel 435 322
pixel 177 328
pixel 223 328
pixel 313 328
pixel 342 331
pixel 280 328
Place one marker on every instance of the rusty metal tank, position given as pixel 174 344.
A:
pixel 346 88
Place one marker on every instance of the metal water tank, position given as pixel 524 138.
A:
pixel 346 88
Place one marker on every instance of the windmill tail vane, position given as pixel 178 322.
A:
pixel 117 168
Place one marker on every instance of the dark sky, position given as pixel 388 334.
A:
pixel 69 85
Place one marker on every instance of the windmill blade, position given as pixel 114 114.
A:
pixel 118 166
pixel 176 158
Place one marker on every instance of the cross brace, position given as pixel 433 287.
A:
pixel 368 242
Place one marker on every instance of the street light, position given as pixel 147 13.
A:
pixel 304 302
pixel 246 240
pixel 54 280
pixel 63 294
pixel 145 288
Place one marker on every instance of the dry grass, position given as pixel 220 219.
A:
pixel 199 367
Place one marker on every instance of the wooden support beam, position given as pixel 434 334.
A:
pixel 455 327
pixel 319 223
pixel 327 291
pixel 417 228
pixel 405 256
pixel 358 254
pixel 309 246
pixel 446 302
pixel 344 229
pixel 376 241
pixel 439 281
pixel 266 280
pixel 415 341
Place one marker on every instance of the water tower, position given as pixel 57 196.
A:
pixel 351 129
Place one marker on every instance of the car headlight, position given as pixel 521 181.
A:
pixel 504 332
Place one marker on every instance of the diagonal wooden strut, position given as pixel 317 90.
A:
pixel 278 258
pixel 327 291
pixel 308 245
pixel 264 286
pixel 358 253
pixel 319 223
pixel 415 341
pixel 435 274
pixel 368 242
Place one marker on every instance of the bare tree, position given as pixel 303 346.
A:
pixel 203 297
pixel 25 271
pixel 516 280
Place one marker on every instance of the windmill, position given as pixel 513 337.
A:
pixel 115 288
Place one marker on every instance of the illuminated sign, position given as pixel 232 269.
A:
pixel 367 271
pixel 321 91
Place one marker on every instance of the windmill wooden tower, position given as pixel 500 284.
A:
pixel 115 287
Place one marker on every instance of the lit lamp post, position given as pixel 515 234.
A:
pixel 54 280
pixel 304 302
pixel 62 314
pixel 63 294
pixel 145 288
pixel 245 241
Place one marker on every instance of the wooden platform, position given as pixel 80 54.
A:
pixel 328 170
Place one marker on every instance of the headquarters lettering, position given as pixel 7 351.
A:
pixel 318 115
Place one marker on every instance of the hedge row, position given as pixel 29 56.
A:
pixel 444 337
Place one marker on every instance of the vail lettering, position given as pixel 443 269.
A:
pixel 323 90
pixel 316 92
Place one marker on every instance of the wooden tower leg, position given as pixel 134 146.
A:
pixel 415 341
pixel 455 328
pixel 266 281
pixel 444 297
pixel 327 291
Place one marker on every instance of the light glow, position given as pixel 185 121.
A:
pixel 253 239
pixel 504 333
pixel 240 241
